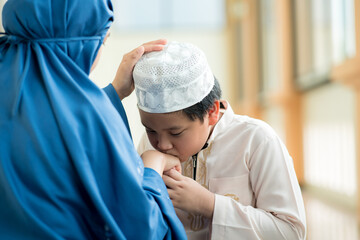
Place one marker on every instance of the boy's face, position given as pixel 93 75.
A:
pixel 175 134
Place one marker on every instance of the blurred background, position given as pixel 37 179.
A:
pixel 292 63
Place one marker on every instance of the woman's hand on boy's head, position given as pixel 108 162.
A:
pixel 123 81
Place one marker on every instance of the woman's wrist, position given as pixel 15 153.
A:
pixel 117 89
pixel 155 160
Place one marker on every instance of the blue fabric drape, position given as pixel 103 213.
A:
pixel 114 98
pixel 68 167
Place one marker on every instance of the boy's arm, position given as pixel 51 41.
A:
pixel 278 213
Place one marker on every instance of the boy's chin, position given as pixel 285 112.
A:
pixel 184 159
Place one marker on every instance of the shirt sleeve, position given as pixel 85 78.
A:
pixel 156 189
pixel 151 204
pixel 279 211
pixel 116 101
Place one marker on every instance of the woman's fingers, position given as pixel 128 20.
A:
pixel 156 42
pixel 123 82
pixel 156 45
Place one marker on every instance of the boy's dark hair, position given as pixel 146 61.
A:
pixel 199 110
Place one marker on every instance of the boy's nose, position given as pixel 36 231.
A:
pixel 164 144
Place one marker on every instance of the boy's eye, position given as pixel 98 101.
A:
pixel 150 131
pixel 176 134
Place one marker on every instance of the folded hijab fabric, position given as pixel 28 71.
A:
pixel 68 167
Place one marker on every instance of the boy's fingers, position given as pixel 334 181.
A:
pixel 169 182
pixel 171 193
pixel 172 173
pixel 166 172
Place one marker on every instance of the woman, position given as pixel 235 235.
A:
pixel 68 168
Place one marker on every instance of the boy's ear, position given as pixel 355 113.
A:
pixel 213 113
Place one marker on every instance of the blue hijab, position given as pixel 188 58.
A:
pixel 68 167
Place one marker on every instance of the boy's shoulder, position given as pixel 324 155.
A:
pixel 232 120
pixel 236 124
pixel 242 128
pixel 252 124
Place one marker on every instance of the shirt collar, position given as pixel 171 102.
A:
pixel 223 123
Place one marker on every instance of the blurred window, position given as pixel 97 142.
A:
pixel 329 139
pixel 137 15
pixel 324 37
pixel 269 46
pixel 239 72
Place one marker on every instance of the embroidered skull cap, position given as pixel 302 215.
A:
pixel 173 79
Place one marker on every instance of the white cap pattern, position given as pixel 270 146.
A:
pixel 172 79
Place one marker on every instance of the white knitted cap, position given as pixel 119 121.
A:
pixel 172 79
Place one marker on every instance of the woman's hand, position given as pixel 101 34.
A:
pixel 160 162
pixel 188 195
pixel 124 82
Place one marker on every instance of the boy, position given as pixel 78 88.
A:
pixel 238 180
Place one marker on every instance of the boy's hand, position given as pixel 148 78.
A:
pixel 188 195
pixel 124 82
